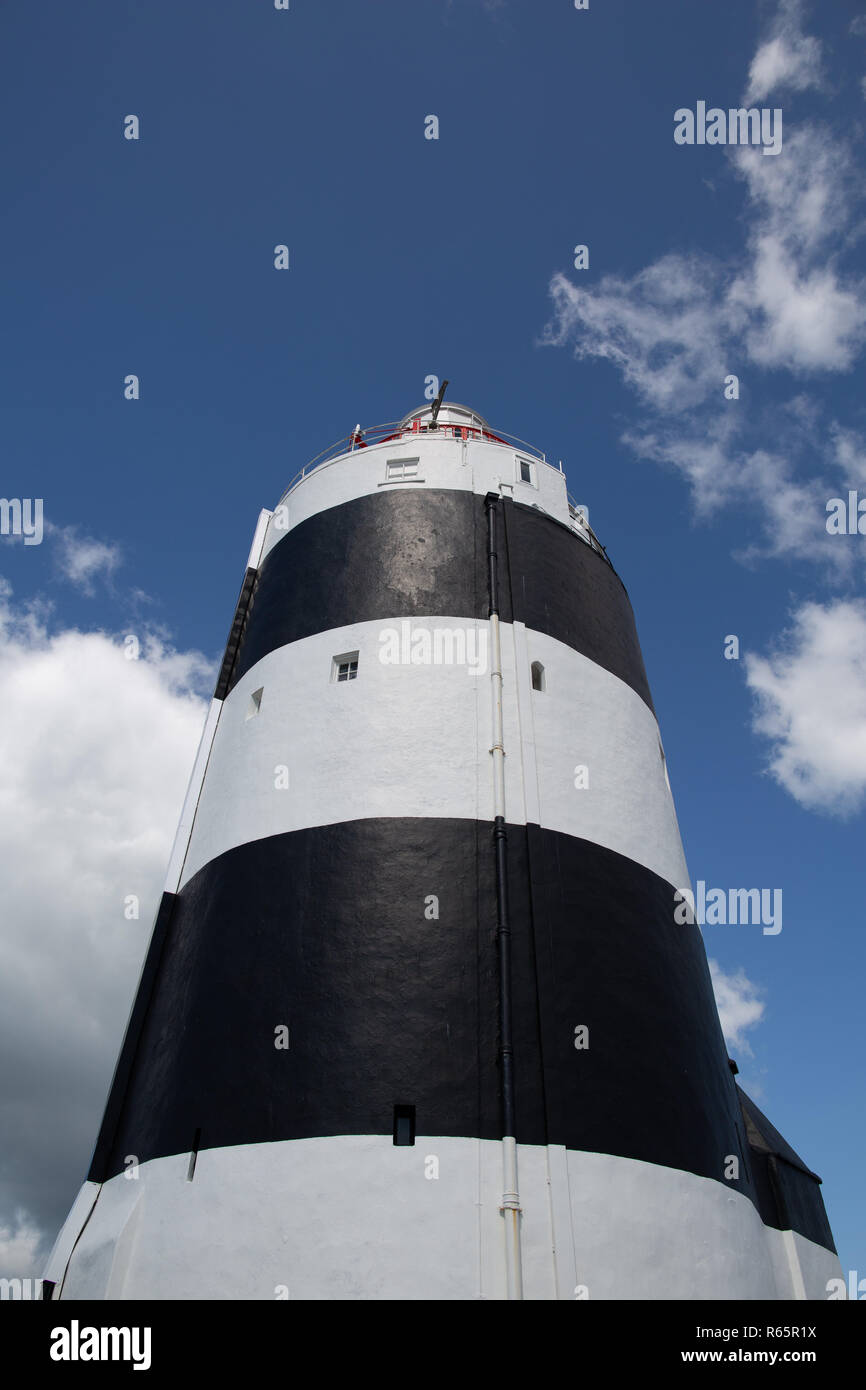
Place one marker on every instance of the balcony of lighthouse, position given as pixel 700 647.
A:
pixel 459 449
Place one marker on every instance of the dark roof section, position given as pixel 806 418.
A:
pixel 788 1193
pixel 765 1138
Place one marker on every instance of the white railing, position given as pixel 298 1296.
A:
pixel 396 430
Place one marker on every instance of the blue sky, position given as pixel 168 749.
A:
pixel 412 257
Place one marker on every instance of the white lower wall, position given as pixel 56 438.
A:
pixel 642 1231
pixel 354 1217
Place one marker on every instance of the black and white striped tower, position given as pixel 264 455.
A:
pixel 417 1020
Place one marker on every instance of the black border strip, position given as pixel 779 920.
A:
pixel 324 931
pixel 123 1071
pixel 224 679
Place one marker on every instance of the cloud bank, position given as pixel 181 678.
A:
pixel 785 304
pixel 96 752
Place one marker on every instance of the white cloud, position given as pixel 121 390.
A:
pixel 850 452
pixel 810 702
pixel 20 1248
pixel 791 303
pixel 676 329
pixel 739 1004
pixel 793 514
pixel 661 328
pixel 799 318
pixel 786 59
pixel 81 559
pixel 96 752
pixel 705 456
pixel 710 457
pixel 803 196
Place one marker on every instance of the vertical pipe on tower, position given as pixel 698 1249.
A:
pixel 510 1194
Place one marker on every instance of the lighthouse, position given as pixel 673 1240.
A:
pixel 419 1018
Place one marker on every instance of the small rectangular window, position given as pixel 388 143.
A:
pixel 397 471
pixel 525 472
pixel 404 1124
pixel 345 667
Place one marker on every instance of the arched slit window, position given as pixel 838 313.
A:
pixel 538 682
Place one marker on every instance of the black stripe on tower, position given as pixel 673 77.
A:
pixel 383 1004
pixel 120 1084
pixel 422 552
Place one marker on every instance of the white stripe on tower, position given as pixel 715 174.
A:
pixel 412 740
pixel 591 1221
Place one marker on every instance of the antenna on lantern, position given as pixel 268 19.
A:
pixel 436 404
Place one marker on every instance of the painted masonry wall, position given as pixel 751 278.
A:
pixel 428 764
pixel 389 799
pixel 591 1219
pixel 447 463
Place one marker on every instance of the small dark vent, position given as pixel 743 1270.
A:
pixel 404 1124
pixel 190 1172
